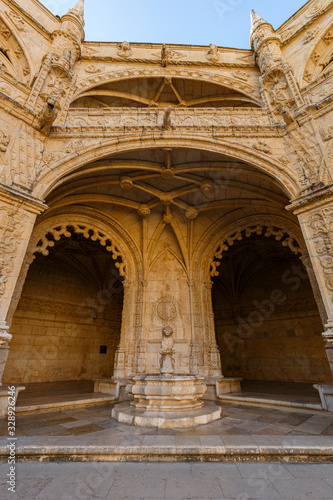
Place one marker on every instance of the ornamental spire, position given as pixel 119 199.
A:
pixel 255 20
pixel 78 11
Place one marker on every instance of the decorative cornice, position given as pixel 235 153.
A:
pixel 31 203
pixel 317 198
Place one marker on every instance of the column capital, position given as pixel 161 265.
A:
pixel 208 285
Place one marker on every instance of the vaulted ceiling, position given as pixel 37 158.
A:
pixel 161 92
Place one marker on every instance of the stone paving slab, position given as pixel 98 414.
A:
pixel 168 481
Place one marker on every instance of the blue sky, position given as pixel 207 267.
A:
pixel 197 22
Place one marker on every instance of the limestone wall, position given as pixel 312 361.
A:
pixel 59 327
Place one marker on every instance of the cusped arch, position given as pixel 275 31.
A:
pixel 118 74
pixel 94 226
pixel 235 227
pixel 285 176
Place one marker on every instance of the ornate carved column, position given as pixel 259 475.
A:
pixel 139 364
pixel 315 213
pixel 215 369
pixel 18 213
pixel 194 346
pixel 123 357
pixel 314 285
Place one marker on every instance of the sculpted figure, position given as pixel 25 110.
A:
pixel 213 53
pixel 124 49
pixel 47 115
pixel 167 363
pixel 280 90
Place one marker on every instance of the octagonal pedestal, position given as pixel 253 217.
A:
pixel 164 402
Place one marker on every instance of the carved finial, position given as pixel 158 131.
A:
pixel 78 11
pixel 255 20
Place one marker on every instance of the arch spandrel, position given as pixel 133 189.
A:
pixel 243 152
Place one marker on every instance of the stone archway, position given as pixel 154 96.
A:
pixel 68 322
pixel 267 322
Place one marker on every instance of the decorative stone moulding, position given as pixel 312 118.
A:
pixel 167 402
pixel 174 393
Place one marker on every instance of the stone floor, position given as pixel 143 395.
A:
pixel 283 392
pixel 181 481
pixel 237 419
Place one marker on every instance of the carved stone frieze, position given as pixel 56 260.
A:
pixel 116 118
pixel 12 222
pixel 320 56
pixel 321 226
pixel 119 73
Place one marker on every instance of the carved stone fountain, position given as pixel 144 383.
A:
pixel 167 400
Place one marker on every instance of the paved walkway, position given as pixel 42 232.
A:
pixel 180 481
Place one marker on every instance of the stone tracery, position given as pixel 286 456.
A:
pixel 279 234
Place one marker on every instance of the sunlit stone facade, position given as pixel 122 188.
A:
pixel 145 186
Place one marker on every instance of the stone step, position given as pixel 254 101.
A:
pixel 262 400
pixel 64 403
pixel 291 448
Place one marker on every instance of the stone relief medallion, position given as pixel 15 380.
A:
pixel 316 7
pixel 166 309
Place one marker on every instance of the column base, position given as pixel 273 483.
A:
pixel 326 395
pixel 127 414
